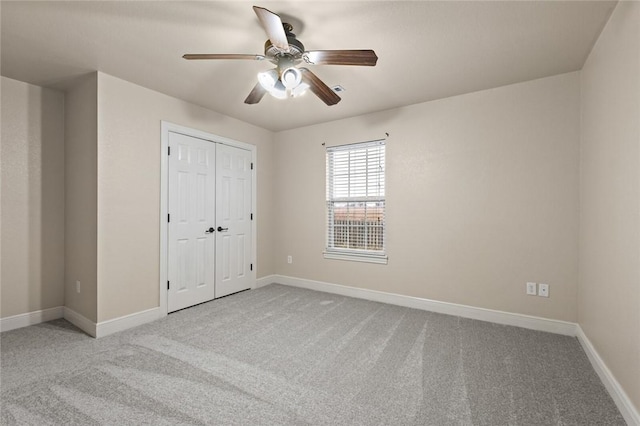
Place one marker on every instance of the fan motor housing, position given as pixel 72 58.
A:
pixel 296 48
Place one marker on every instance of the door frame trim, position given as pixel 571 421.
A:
pixel 167 127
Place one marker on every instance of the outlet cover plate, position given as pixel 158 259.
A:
pixel 543 290
pixel 531 289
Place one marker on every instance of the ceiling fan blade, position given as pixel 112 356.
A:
pixel 341 57
pixel 255 95
pixel 191 56
pixel 320 89
pixel 272 25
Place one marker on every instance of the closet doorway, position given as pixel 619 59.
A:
pixel 209 221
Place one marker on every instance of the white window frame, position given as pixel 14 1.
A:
pixel 341 253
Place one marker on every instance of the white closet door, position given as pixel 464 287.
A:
pixel 191 240
pixel 233 220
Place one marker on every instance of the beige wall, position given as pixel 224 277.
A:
pixel 482 196
pixel 609 292
pixel 129 189
pixel 32 164
pixel 80 197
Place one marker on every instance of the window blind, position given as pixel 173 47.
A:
pixel 356 198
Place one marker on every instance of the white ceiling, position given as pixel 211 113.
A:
pixel 427 49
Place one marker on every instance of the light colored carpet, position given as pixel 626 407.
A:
pixel 286 356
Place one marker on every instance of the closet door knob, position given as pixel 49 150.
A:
pixel 221 229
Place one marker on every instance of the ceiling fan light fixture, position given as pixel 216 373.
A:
pixel 279 91
pixel 299 90
pixel 268 79
pixel 291 78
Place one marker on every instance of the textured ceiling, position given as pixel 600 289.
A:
pixel 427 49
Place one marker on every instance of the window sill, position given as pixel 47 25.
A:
pixel 357 257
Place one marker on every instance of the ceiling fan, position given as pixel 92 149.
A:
pixel 286 52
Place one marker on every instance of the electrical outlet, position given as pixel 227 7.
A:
pixel 289 259
pixel 77 286
pixel 543 290
pixel 531 289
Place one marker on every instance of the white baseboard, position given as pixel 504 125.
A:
pixel 269 279
pixel 31 318
pixel 482 314
pixel 115 325
pixel 98 330
pixel 80 321
pixel 619 396
pixel 111 326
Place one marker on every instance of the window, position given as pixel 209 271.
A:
pixel 356 203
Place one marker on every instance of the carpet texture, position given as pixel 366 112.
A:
pixel 287 356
